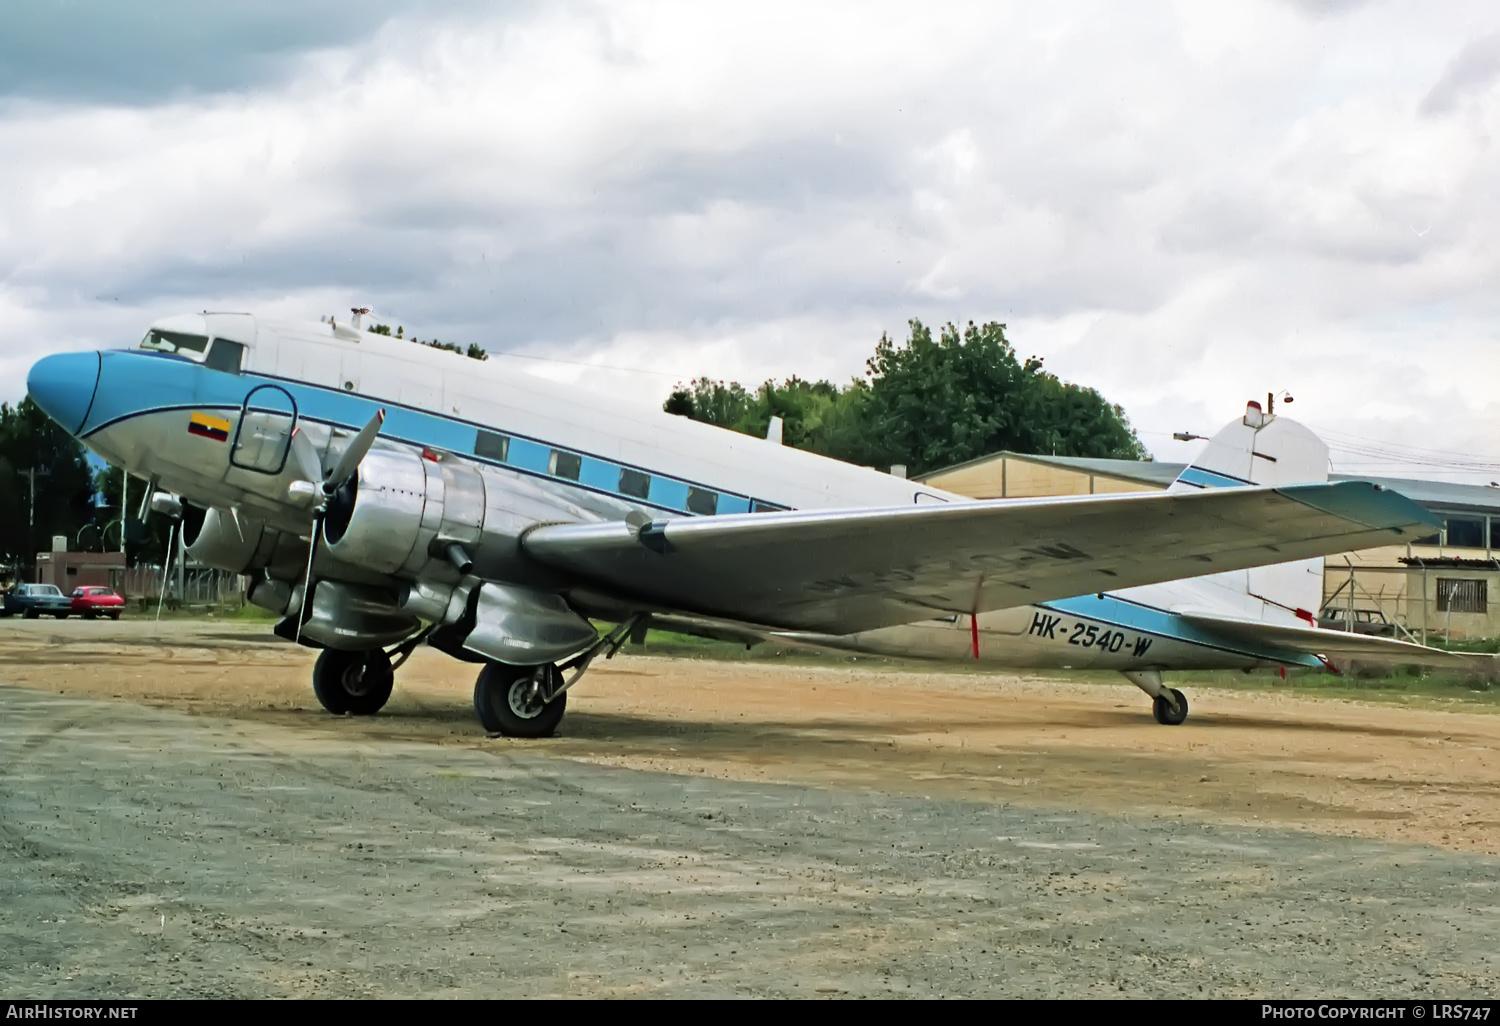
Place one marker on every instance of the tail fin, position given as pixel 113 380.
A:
pixel 1260 449
pixel 1267 450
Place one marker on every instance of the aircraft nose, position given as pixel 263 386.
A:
pixel 63 386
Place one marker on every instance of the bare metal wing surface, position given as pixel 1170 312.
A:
pixel 852 570
pixel 1335 645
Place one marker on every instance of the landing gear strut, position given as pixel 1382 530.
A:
pixel 1168 705
pixel 353 682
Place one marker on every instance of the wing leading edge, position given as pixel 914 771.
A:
pixel 840 571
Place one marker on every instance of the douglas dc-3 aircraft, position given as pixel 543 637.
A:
pixel 385 494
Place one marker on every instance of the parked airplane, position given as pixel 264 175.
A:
pixel 385 494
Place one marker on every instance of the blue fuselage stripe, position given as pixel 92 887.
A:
pixel 135 384
pixel 1118 612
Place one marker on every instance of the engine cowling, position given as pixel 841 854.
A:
pixel 379 516
pixel 239 544
pixel 402 514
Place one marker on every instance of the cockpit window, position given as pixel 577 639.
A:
pixel 225 356
pixel 175 342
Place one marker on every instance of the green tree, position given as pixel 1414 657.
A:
pixel 29 439
pixel 926 403
pixel 934 403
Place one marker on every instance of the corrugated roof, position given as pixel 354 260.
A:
pixel 1480 498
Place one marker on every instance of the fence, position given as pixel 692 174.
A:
pixel 1414 603
pixel 190 587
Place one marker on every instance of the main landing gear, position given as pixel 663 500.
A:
pixel 353 682
pixel 1168 705
pixel 359 683
pixel 520 701
pixel 528 701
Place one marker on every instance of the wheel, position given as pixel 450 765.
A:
pixel 30 614
pixel 510 700
pixel 115 615
pixel 88 615
pixel 1165 714
pixel 353 682
pixel 61 616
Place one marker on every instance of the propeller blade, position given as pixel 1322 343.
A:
pixel 312 550
pixel 354 454
pixel 306 455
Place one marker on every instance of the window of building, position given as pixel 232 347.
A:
pixel 633 482
pixel 1462 596
pixel 762 506
pixel 492 446
pixel 702 501
pixel 1466 532
pixel 565 464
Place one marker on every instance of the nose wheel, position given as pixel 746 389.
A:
pixel 353 682
pixel 520 701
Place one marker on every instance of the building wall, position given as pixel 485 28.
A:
pixel 1006 478
pixel 69 570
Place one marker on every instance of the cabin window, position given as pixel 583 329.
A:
pixel 702 501
pixel 762 506
pixel 492 446
pixel 225 356
pixel 635 483
pixel 565 464
pixel 175 342
pixel 1455 595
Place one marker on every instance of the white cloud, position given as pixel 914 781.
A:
pixel 1179 204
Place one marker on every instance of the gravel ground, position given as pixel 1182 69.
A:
pixel 147 852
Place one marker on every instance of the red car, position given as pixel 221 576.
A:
pixel 92 602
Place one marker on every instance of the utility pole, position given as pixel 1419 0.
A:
pixel 31 476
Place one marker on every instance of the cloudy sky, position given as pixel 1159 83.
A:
pixel 1183 204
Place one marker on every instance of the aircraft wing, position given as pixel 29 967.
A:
pixel 840 571
pixel 1335 645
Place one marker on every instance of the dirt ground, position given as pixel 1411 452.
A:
pixel 1244 757
pixel 179 818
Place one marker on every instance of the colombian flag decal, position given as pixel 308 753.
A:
pixel 209 426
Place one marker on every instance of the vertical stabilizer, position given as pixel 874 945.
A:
pixel 1267 450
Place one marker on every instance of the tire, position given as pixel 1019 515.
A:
pixel 353 682
pixel 61 616
pixel 89 615
pixel 115 615
pixel 1165 714
pixel 30 614
pixel 507 701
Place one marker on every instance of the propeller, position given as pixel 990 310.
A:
pixel 320 488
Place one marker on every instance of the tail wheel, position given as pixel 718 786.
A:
pixel 353 682
pixel 512 700
pixel 1163 711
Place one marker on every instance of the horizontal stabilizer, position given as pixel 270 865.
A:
pixel 840 571
pixel 1336 645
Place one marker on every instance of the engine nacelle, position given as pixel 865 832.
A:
pixel 354 617
pixel 400 510
pixel 416 517
pixel 239 544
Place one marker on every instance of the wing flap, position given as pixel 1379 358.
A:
pixel 840 571
pixel 1336 645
